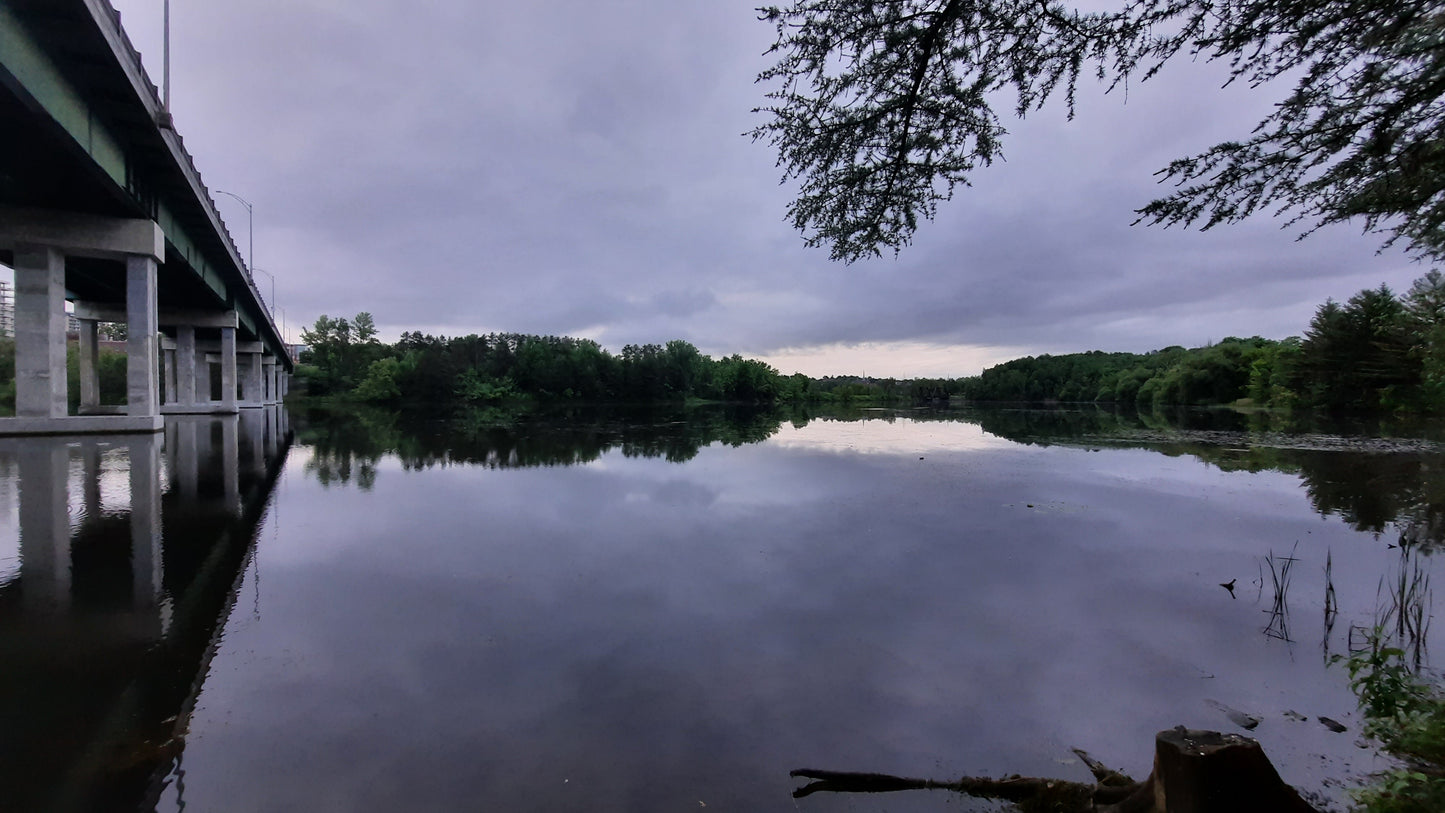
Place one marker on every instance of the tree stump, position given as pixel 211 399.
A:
pixel 1194 772
pixel 1210 772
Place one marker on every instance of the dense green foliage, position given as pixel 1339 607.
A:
pixel 344 359
pixel 341 352
pixel 1378 352
pixel 1375 353
pixel 1406 713
pixel 1217 374
pixel 880 109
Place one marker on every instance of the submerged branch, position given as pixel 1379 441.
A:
pixel 1020 789
pixel 1199 771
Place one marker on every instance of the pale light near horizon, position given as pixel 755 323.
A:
pixel 904 359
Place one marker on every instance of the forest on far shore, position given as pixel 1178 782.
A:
pixel 1377 352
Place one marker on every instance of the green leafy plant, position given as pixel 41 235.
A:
pixel 1405 712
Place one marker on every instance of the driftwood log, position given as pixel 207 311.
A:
pixel 1194 772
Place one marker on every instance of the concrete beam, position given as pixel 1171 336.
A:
pixel 167 317
pixel 214 346
pixel 81 235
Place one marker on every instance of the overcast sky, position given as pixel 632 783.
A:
pixel 578 168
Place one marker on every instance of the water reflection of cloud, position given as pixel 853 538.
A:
pixel 888 436
pixel 658 635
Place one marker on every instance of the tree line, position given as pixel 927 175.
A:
pixel 345 358
pixel 1376 352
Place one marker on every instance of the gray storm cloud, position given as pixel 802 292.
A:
pixel 580 168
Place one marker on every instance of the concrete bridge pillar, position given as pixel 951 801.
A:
pixel 142 396
pixel 252 389
pixel 41 240
pixel 270 376
pixel 169 354
pixel 228 369
pixel 39 332
pixel 89 366
pixel 186 365
pixel 203 380
pixel 207 371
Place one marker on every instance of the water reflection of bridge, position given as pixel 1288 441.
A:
pixel 131 548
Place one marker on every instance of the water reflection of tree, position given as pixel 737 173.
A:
pixel 348 445
pixel 1370 490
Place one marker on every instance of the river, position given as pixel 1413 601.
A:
pixel 664 611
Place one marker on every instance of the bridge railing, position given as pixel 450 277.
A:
pixel 135 58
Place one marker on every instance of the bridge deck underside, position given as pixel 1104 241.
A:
pixel 44 165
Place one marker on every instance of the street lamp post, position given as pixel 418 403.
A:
pixel 166 78
pixel 250 226
pixel 271 302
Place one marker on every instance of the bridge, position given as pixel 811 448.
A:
pixel 101 205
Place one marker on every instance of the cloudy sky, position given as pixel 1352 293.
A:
pixel 579 168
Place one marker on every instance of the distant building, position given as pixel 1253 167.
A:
pixel 7 310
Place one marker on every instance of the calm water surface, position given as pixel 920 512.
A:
pixel 354 612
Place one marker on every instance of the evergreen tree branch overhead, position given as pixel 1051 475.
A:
pixel 880 109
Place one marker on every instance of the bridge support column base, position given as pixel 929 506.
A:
pixel 81 425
